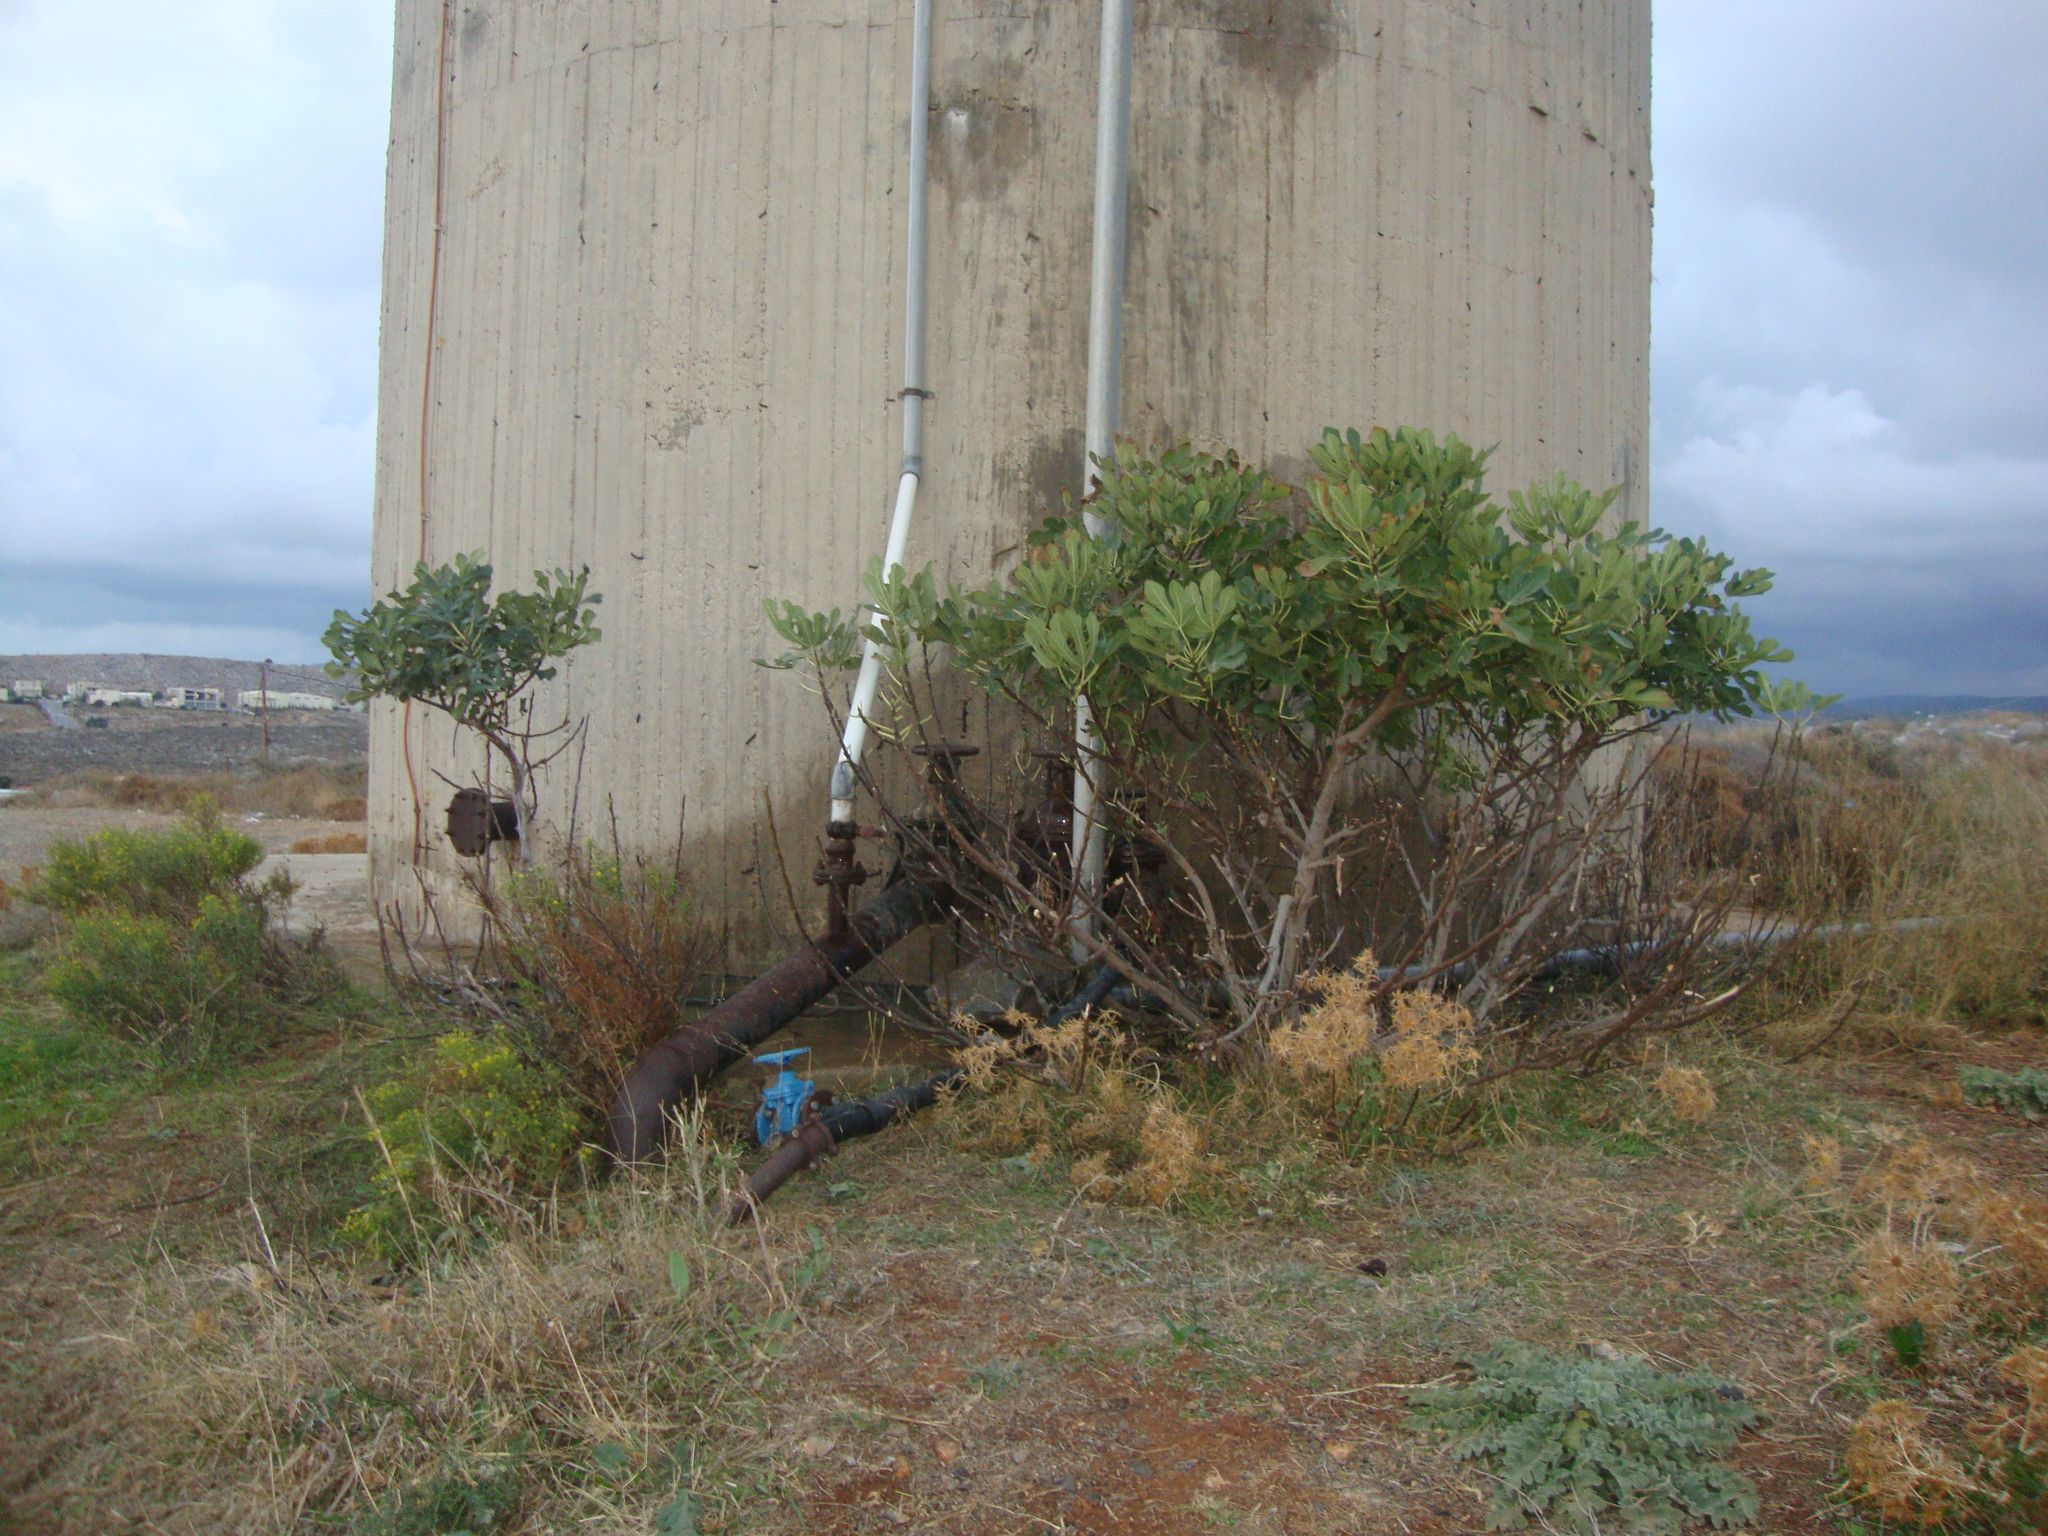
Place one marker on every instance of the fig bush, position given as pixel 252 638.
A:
pixel 1311 701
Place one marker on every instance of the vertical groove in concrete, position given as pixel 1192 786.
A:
pixel 670 331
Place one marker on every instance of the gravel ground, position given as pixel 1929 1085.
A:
pixel 145 741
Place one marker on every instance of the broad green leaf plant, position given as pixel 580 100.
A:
pixel 1590 1443
pixel 1250 649
pixel 446 642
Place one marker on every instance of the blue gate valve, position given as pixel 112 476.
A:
pixel 784 1098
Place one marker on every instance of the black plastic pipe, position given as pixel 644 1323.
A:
pixel 1098 987
pixel 1601 958
pixel 720 1036
pixel 816 1136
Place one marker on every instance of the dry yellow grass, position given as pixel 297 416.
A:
pixel 1823 1162
pixel 1921 1198
pixel 1074 1089
pixel 2028 1369
pixel 2016 1263
pixel 1429 1044
pixel 1911 1177
pixel 278 1394
pixel 1688 1093
pixel 1170 1146
pixel 1432 1045
pixel 1868 837
pixel 1896 1466
pixel 336 842
pixel 1949 1254
pixel 314 791
pixel 1907 1279
pixel 1319 1046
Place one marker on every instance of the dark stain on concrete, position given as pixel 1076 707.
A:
pixel 983 138
pixel 1290 469
pixel 675 431
pixel 1050 473
pixel 1290 42
pixel 1140 214
pixel 476 29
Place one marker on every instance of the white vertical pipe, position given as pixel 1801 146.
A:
pixel 853 741
pixel 1105 360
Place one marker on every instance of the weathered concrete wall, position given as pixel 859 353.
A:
pixel 668 322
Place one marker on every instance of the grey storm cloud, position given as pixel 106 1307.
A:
pixel 190 227
pixel 1851 318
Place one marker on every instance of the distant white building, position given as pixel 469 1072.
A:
pixel 253 698
pixel 113 696
pixel 25 689
pixel 193 698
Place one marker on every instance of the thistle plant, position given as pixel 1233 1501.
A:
pixel 1586 1443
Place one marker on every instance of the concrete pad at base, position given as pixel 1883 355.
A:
pixel 333 893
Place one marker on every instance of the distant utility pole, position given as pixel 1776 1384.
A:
pixel 263 708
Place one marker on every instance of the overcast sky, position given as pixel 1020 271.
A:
pixel 1850 357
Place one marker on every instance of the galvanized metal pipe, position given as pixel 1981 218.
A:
pixel 853 739
pixel 1105 364
pixel 716 1039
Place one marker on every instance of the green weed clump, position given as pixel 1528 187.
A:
pixel 471 1501
pixel 149 874
pixel 189 988
pixel 1585 1443
pixel 597 950
pixel 56 1076
pixel 2023 1093
pixel 465 1140
pixel 166 941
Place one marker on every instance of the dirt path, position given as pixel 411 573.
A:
pixel 333 894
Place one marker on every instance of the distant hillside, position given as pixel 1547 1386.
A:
pixel 1908 705
pixel 157 673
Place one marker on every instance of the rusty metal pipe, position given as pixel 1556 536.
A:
pixel 806 1145
pixel 720 1036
